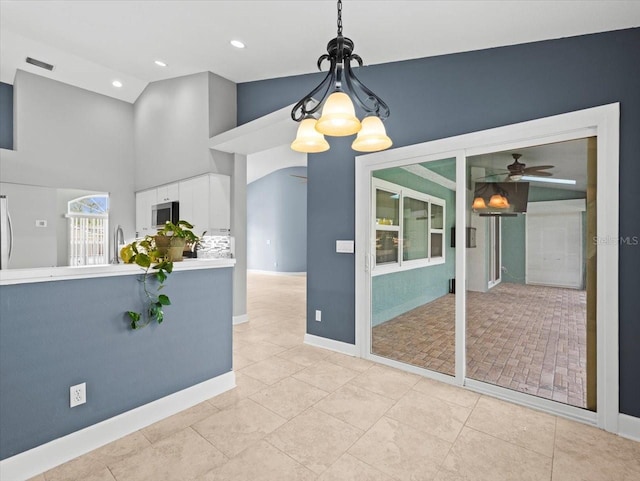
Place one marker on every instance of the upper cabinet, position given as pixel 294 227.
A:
pixel 205 201
pixel 145 200
pixel 167 193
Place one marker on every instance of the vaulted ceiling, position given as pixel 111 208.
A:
pixel 91 43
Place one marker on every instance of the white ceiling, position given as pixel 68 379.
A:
pixel 91 43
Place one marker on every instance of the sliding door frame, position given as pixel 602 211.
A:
pixel 602 122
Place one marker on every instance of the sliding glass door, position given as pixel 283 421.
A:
pixel 413 300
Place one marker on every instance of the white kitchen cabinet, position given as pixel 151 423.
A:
pixel 194 202
pixel 145 200
pixel 220 202
pixel 205 201
pixel 167 193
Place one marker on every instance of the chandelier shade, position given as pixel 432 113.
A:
pixel 498 201
pixel 338 116
pixel 308 139
pixel 372 136
pixel 337 93
pixel 479 203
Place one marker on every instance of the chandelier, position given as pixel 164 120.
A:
pixel 335 95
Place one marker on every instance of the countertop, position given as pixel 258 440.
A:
pixel 47 274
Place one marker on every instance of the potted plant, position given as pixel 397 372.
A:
pixel 157 254
pixel 172 239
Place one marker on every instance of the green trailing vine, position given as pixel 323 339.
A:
pixel 157 263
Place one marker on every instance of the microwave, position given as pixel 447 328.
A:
pixel 163 213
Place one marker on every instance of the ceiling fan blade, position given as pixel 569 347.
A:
pixel 538 173
pixel 491 175
pixel 538 167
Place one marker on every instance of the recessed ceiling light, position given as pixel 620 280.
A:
pixel 160 63
pixel 237 44
pixel 116 83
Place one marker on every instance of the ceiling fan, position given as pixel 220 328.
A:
pixel 517 170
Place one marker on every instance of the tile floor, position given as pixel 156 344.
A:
pixel 302 413
pixel 528 338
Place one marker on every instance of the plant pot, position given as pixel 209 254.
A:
pixel 170 247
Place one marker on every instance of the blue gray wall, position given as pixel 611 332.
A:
pixel 444 96
pixel 277 222
pixel 57 334
pixel 514 233
pixel 6 116
pixel 396 293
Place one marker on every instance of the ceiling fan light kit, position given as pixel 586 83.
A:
pixel 337 91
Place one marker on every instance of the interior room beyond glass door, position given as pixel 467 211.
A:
pixel 413 273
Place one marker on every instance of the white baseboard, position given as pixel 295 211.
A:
pixel 338 346
pixel 276 273
pixel 629 427
pixel 241 319
pixel 42 458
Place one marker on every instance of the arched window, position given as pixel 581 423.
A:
pixel 88 230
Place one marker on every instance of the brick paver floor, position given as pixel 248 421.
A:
pixel 527 338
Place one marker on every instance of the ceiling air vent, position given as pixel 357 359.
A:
pixel 39 63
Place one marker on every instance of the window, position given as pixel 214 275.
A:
pixel 408 228
pixel 88 230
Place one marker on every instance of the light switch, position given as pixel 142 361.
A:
pixel 344 246
pixel 41 223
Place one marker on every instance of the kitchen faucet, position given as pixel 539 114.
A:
pixel 118 238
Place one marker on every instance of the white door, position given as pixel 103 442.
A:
pixel 554 250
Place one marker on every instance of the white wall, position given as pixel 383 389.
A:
pixel 174 119
pixel 67 137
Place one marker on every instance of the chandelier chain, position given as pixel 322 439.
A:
pixel 339 17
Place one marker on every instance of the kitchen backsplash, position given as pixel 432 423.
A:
pixel 216 247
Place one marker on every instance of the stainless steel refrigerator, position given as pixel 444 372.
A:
pixel 6 233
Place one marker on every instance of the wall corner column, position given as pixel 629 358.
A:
pixel 239 232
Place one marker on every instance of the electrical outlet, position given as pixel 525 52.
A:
pixel 318 315
pixel 77 394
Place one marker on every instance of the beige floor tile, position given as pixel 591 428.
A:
pixel 76 469
pixel 304 355
pixel 272 370
pixel 239 361
pixel 326 375
pixel 245 387
pixel 39 477
pixel 519 425
pixel 356 406
pixel 586 453
pixel 289 397
pixel 447 392
pixel 430 414
pixel 122 448
pixel 400 451
pixel 386 381
pixel 178 422
pixel 479 457
pixel 351 362
pixel 103 475
pixel 315 439
pixel 258 351
pixel 238 427
pixel 261 462
pixel 182 456
pixel 94 462
pixel 349 468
